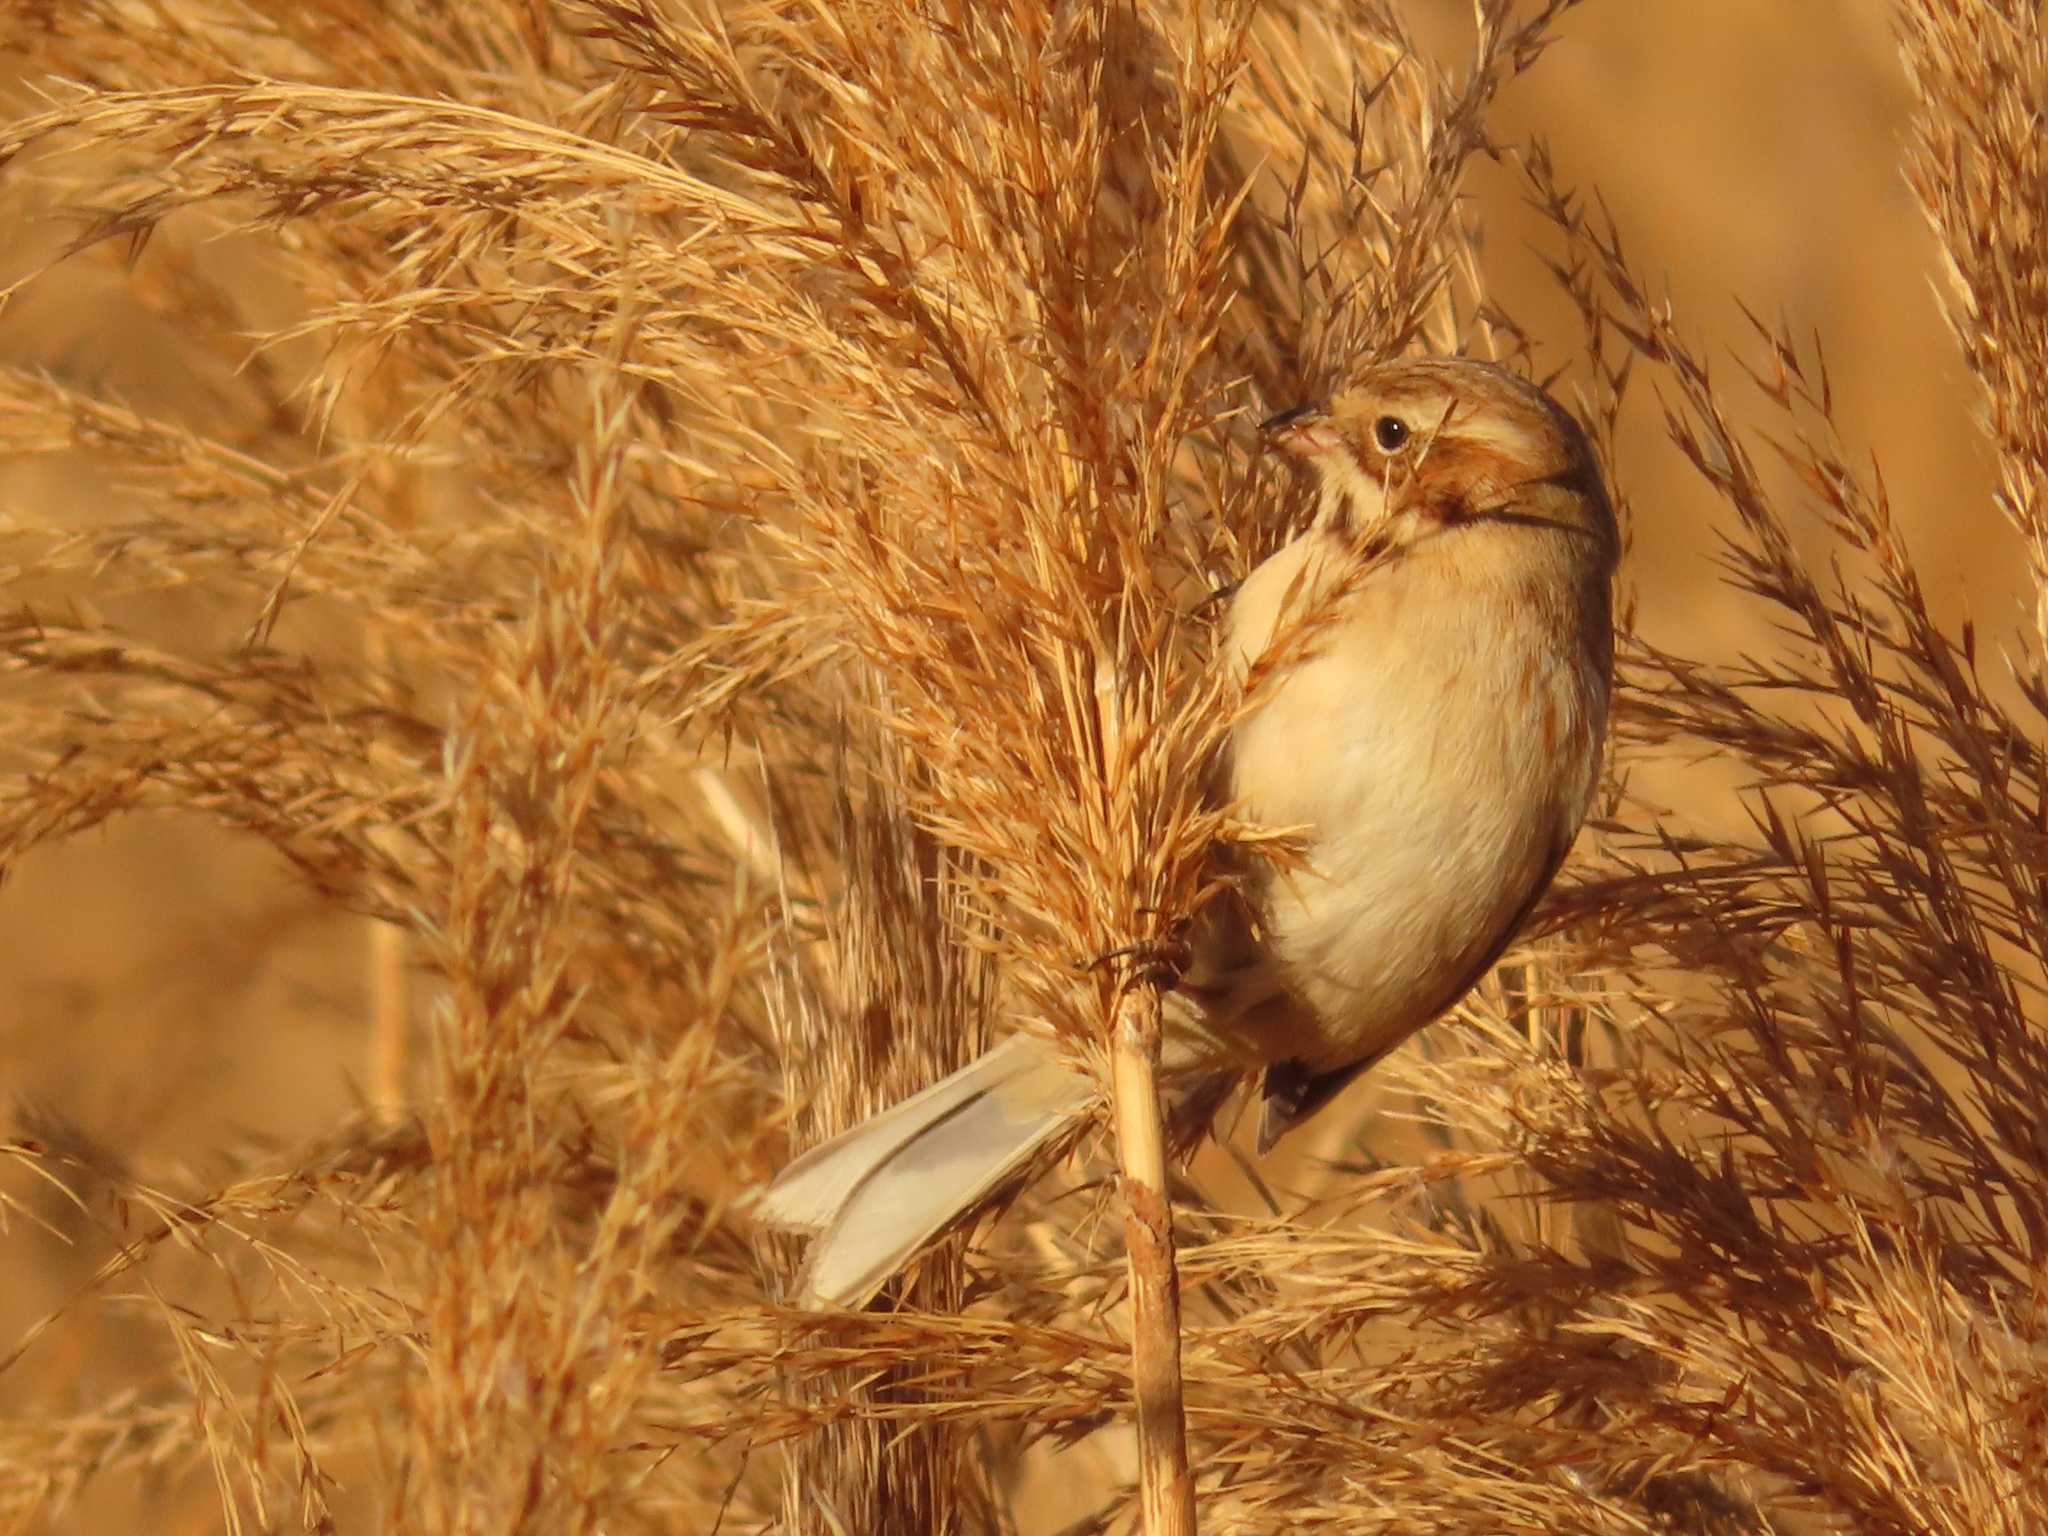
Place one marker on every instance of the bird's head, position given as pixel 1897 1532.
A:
pixel 1423 445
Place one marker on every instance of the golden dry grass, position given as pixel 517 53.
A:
pixel 638 558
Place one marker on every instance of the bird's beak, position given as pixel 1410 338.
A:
pixel 1304 431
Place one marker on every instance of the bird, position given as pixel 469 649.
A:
pixel 1427 670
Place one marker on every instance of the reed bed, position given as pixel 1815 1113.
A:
pixel 692 522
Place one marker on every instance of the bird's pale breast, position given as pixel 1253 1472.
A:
pixel 1439 740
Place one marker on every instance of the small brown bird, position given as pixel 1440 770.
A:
pixel 1441 646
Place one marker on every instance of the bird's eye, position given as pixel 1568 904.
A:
pixel 1391 433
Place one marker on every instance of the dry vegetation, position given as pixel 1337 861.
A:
pixel 689 518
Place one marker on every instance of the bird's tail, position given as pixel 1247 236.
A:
pixel 876 1194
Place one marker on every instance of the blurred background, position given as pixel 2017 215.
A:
pixel 171 992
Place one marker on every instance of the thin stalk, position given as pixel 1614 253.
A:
pixel 390 962
pixel 1166 1492
pixel 390 1018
